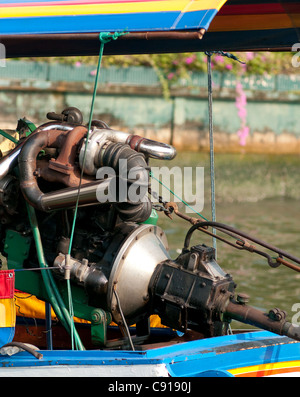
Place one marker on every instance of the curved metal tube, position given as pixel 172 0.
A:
pixel 65 160
pixel 27 163
pixel 156 150
pixel 8 162
pixel 89 193
pixel 26 347
pixel 99 137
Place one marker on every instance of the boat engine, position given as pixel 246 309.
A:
pixel 119 264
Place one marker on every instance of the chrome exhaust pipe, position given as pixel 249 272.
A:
pixel 8 162
pixel 67 198
pixel 99 137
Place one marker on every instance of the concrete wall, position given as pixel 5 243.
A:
pixel 131 99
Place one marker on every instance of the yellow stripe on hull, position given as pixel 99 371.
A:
pixel 109 8
pixel 267 369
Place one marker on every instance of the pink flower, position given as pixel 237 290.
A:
pixel 241 105
pixel 249 56
pixel 93 72
pixel 170 76
pixel 78 64
pixel 228 66
pixel 242 113
pixel 219 58
pixel 190 59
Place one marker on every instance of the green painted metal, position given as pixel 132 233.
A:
pixel 25 126
pixel 99 322
pixel 153 218
pixel 17 248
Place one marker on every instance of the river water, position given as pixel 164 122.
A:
pixel 258 194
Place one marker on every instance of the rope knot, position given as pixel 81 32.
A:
pixel 106 37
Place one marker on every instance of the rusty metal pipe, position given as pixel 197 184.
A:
pixel 288 264
pixel 65 160
pixel 160 35
pixel 28 163
pixel 222 227
pixel 8 162
pixel 71 179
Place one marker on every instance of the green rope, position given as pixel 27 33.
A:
pixel 71 313
pixel 104 38
pixel 179 198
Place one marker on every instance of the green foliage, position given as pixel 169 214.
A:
pixel 179 65
pixel 172 67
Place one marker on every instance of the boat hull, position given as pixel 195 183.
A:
pixel 253 354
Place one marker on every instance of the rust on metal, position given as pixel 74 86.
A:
pixel 159 35
pixel 65 160
pixel 288 264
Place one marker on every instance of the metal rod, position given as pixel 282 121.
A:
pixel 172 124
pixel 161 35
pixel 35 269
pixel 288 264
pixel 211 145
pixel 48 326
pixel 222 227
pixel 124 320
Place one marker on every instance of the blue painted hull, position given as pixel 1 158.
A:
pixel 247 354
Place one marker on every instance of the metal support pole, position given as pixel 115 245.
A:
pixel 211 145
pixel 48 326
pixel 172 126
